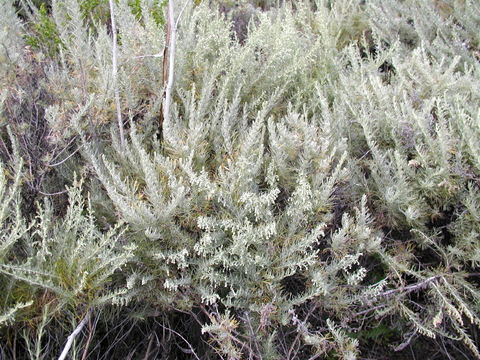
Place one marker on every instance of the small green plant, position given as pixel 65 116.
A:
pixel 158 11
pixel 45 33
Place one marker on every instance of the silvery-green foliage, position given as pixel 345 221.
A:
pixel 10 37
pixel 240 196
pixel 239 199
pixel 13 229
pixel 82 72
pixel 447 28
pixel 51 265
pixel 71 258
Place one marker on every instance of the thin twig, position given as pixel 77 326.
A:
pixel 108 333
pixel 181 337
pixel 53 194
pixel 471 275
pixel 176 27
pixel 72 336
pixel 65 148
pixel 408 289
pixel 180 14
pixel 114 73
pixel 68 157
pixel 168 38
pixel 367 311
pixel 252 332
pixel 149 348
pixel 407 342
pixel 89 339
pixel 303 328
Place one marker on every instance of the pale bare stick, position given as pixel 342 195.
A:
pixel 171 59
pixel 114 73
pixel 72 336
pixel 145 56
pixel 180 14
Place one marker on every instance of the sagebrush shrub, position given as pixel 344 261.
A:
pixel 313 191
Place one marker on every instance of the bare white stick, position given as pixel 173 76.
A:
pixel 72 336
pixel 171 60
pixel 114 73
pixel 180 14
pixel 145 56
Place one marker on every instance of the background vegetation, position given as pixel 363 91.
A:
pixel 313 192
